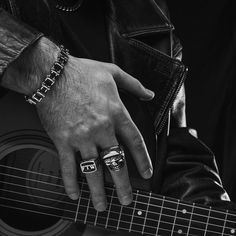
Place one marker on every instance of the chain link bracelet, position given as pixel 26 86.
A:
pixel 50 79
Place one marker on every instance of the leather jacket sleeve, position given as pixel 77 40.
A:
pixel 15 37
pixel 191 173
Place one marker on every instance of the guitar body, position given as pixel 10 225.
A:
pixel 33 201
pixel 24 145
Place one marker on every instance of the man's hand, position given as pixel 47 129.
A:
pixel 84 113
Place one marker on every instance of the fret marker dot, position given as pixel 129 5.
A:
pixel 184 211
pixel 139 213
pixel 180 231
pixel 232 231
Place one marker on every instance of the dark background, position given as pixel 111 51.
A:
pixel 207 30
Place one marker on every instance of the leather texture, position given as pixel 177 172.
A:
pixel 142 43
pixel 14 38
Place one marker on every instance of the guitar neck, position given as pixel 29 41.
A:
pixel 149 214
pixel 152 214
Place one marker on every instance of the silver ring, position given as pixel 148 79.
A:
pixel 114 158
pixel 90 166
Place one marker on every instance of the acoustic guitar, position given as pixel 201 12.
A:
pixel 33 201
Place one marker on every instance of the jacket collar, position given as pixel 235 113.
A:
pixel 137 17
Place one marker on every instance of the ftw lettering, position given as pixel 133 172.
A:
pixel 88 166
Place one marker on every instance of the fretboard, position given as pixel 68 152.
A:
pixel 149 214
pixel 152 214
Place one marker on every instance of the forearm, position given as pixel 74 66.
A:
pixel 22 54
pixel 26 73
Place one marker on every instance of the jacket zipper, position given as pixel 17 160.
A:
pixel 169 103
pixel 13 7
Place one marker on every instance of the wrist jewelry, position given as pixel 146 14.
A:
pixel 50 79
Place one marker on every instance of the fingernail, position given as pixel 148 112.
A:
pixel 100 206
pixel 74 196
pixel 126 200
pixel 151 93
pixel 147 174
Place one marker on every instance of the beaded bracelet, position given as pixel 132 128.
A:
pixel 50 79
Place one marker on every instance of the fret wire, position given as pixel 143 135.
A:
pixel 120 227
pixel 208 216
pixel 232 221
pixel 119 217
pixel 133 210
pixel 57 177
pixel 156 198
pixel 84 206
pixel 68 218
pixel 145 219
pixel 109 207
pixel 159 220
pixel 191 216
pixel 172 231
pixel 86 214
pixel 181 218
pixel 167 230
pixel 223 230
pixel 78 204
pixel 188 204
pixel 96 217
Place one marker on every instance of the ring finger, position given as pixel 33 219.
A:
pixel 120 176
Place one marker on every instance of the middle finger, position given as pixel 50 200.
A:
pixel 95 179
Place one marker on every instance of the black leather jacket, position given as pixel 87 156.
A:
pixel 141 43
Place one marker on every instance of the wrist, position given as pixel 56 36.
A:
pixel 52 78
pixel 28 71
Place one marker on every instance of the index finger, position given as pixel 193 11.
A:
pixel 131 136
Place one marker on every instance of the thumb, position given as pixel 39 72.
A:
pixel 129 83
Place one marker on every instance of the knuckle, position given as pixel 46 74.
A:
pixel 61 135
pixel 117 109
pixel 125 122
pixel 102 122
pixel 83 131
pixel 124 189
pixel 118 112
pixel 99 75
pixel 106 123
pixel 138 142
pixel 139 85
pixel 67 169
pixel 114 67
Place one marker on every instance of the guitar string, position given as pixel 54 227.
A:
pixel 222 212
pixel 111 211
pixel 67 218
pixel 50 199
pixel 170 209
pixel 196 206
pixel 200 222
pixel 87 199
pixel 103 217
pixel 155 206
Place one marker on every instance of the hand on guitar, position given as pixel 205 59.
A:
pixel 84 113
